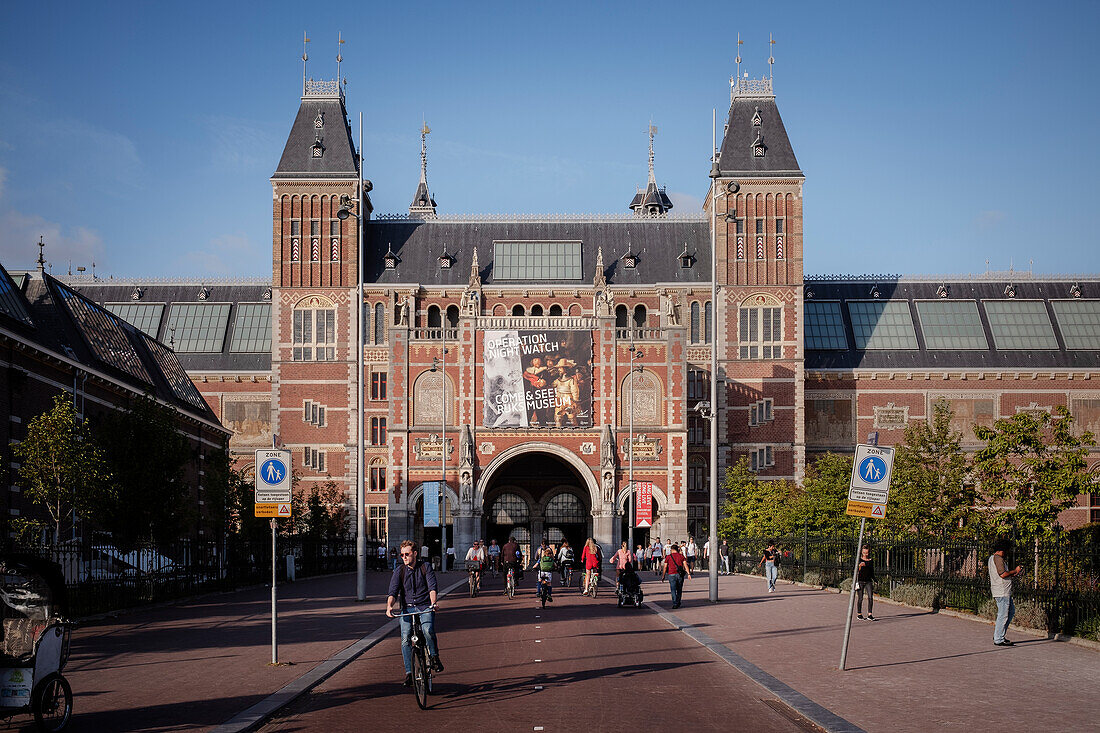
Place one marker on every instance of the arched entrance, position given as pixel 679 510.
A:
pixel 432 536
pixel 535 495
pixel 642 535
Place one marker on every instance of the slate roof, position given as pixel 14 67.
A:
pixel 55 328
pixel 912 290
pixel 338 159
pixel 419 244
pixel 736 152
pixel 169 293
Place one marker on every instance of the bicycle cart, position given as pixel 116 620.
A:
pixel 34 642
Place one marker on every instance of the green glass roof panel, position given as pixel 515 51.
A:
pixel 1079 321
pixel 252 328
pixel 825 326
pixel 143 316
pixel 879 324
pixel 539 261
pixel 1020 324
pixel 197 327
pixel 951 325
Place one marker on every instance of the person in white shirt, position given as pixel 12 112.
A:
pixel 450 563
pixel 690 551
pixel 494 557
pixel 474 562
pixel 706 554
pixel 1000 585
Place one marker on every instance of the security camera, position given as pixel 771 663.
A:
pixel 702 407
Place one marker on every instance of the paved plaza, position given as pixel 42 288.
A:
pixel 756 661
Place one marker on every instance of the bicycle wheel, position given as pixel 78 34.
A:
pixel 421 678
pixel 595 585
pixel 52 703
pixel 473 586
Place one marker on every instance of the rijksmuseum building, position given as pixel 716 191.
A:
pixel 498 349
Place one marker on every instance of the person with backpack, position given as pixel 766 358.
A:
pixel 676 568
pixel 413 590
pixel 566 560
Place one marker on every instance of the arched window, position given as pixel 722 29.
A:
pixel 498 310
pixel 433 317
pixel 452 316
pixel 565 509
pixel 517 310
pixel 379 323
pixel 622 317
pixel 760 328
pixel 697 474
pixel 574 310
pixel 314 329
pixel 555 310
pixel 377 474
pixel 639 316
pixel 695 322
pixel 708 322
pixel 509 509
pixel 536 310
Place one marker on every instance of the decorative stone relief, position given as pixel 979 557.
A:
pixel 891 417
pixel 588 449
pixel 487 449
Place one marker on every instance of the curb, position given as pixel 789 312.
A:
pixel 261 712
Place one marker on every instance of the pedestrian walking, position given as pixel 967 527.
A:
pixel 865 583
pixel 639 557
pixel 724 556
pixel 770 561
pixel 450 563
pixel 690 552
pixel 706 556
pixel 676 568
pixel 658 552
pixel 1000 585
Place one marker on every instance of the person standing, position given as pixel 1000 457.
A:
pixel 724 556
pixel 449 564
pixel 413 590
pixel 639 558
pixel 676 568
pixel 769 561
pixel 707 560
pixel 1000 585
pixel 690 551
pixel 865 583
pixel 622 558
pixel 658 555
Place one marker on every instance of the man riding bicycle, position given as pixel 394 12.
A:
pixel 494 557
pixel 413 590
pixel 510 557
pixel 474 557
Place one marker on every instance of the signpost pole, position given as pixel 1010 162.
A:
pixel 852 597
pixel 274 616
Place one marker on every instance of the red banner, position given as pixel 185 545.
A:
pixel 643 513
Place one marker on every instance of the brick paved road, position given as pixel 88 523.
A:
pixel 603 669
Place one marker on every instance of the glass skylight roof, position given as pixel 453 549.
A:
pixel 1080 323
pixel 197 327
pixel 553 261
pixel 951 324
pixel 11 304
pixel 1020 324
pixel 882 324
pixel 144 316
pixel 824 326
pixel 177 378
pixel 105 334
pixel 252 328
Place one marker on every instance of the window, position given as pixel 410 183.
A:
pixel 779 226
pixel 1020 324
pixel 198 327
pixel 695 322
pixel 882 324
pixel 379 323
pixel 376 522
pixel 697 474
pixel 760 412
pixel 378 386
pixel 622 316
pixel 377 475
pixel 295 228
pixel 824 326
pixel 759 226
pixel 517 310
pixel 509 509
pixel 761 458
pixel 378 431
pixel 708 322
pixel 314 334
pixel 566 509
pixel 951 324
pixel 313 413
pixel 697 429
pixel 740 226
pixel 639 316
pixel 536 310
pixel 435 320
pixel 314 228
pixel 555 310
pixel 1079 321
pixel 698 386
pixel 334 228
pixel 761 331
pixel 252 328
pixel 143 316
pixel 554 261
pixel 314 459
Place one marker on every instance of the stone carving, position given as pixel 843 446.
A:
pixel 609 487
pixel 403 307
pixel 487 449
pixel 466 447
pixel 607 450
pixel 466 486
pixel 672 310
pixel 588 448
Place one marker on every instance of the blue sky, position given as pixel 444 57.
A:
pixel 934 136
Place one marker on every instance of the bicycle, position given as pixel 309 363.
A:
pixel 593 582
pixel 510 584
pixel 566 575
pixel 422 670
pixel 473 568
pixel 544 591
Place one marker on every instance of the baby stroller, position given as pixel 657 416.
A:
pixel 630 587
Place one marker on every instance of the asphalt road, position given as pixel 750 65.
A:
pixel 578 665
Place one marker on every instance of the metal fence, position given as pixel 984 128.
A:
pixel 100 577
pixel 1061 574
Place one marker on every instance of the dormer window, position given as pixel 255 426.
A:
pixel 756 118
pixel 317 150
pixel 686 258
pixel 758 150
pixel 630 260
pixel 390 259
pixel 445 261
pixel 319 120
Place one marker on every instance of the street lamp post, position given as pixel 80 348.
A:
pixel 440 365
pixel 634 354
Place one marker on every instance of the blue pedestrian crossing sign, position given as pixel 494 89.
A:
pixel 871 471
pixel 273 470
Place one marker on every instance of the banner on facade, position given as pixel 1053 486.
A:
pixel 430 497
pixel 537 379
pixel 643 514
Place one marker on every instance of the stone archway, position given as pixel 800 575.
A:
pixel 583 471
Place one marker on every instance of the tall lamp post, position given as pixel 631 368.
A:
pixel 441 367
pixel 634 354
pixel 711 410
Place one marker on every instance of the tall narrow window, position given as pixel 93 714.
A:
pixel 708 328
pixel 434 320
pixel 695 322
pixel 377 475
pixel 378 431
pixel 761 333
pixel 622 317
pixel 379 323
pixel 639 316
pixel 378 386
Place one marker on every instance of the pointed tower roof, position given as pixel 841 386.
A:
pixel 651 200
pixel 423 205
pixel 753 119
pixel 320 143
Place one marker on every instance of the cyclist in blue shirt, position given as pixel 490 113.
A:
pixel 413 590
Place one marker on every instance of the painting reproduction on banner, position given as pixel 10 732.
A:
pixel 538 379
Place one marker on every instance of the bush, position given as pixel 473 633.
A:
pixel 789 572
pixel 1089 629
pixel 1029 614
pixel 813 578
pixel 916 594
pixel 846 585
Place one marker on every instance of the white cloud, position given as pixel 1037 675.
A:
pixel 223 256
pixel 685 203
pixel 241 143
pixel 19 235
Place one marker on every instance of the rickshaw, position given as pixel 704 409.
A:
pixel 34 642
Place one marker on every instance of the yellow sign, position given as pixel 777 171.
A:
pixel 865 509
pixel 273 510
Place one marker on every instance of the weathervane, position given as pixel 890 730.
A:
pixel 652 132
pixel 771 56
pixel 424 132
pixel 340 57
pixel 738 59
pixel 305 58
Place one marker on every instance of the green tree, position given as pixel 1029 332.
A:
pixel 326 512
pixel 61 467
pixel 755 507
pixel 1035 463
pixel 740 483
pixel 931 487
pixel 824 497
pixel 147 458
